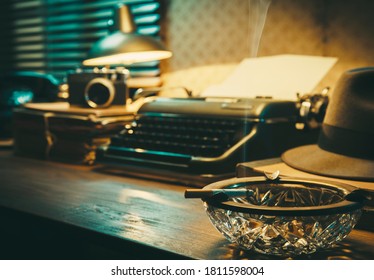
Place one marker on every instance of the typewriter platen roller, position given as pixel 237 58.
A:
pixel 195 141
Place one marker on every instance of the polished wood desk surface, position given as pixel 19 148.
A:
pixel 147 219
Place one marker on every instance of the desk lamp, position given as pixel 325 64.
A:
pixel 124 46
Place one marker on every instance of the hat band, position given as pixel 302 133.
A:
pixel 346 142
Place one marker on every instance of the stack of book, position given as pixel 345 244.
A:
pixel 57 131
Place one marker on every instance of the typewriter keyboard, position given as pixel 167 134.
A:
pixel 183 135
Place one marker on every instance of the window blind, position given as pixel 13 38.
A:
pixel 54 36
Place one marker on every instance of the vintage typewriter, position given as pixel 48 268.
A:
pixel 195 141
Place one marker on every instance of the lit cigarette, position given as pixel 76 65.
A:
pixel 205 194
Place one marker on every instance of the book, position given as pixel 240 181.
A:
pixel 70 134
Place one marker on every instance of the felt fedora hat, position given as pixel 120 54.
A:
pixel 345 148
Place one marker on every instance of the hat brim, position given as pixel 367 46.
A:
pixel 313 159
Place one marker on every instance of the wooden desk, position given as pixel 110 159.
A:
pixel 51 210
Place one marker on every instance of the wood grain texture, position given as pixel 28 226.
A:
pixel 147 219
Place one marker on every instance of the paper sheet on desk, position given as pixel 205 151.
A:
pixel 280 77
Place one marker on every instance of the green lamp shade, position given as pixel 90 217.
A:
pixel 124 46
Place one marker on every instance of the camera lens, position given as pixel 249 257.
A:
pixel 99 93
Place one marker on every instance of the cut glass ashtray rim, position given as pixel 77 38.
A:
pixel 339 207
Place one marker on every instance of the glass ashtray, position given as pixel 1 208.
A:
pixel 283 217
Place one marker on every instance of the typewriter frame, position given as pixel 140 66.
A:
pixel 271 129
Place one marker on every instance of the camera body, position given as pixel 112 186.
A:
pixel 98 88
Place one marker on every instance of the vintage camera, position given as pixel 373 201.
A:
pixel 98 88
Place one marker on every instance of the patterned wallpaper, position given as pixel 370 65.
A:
pixel 209 37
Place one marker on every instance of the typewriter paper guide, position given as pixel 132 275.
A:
pixel 279 77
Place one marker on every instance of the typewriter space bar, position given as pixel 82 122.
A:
pixel 141 155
